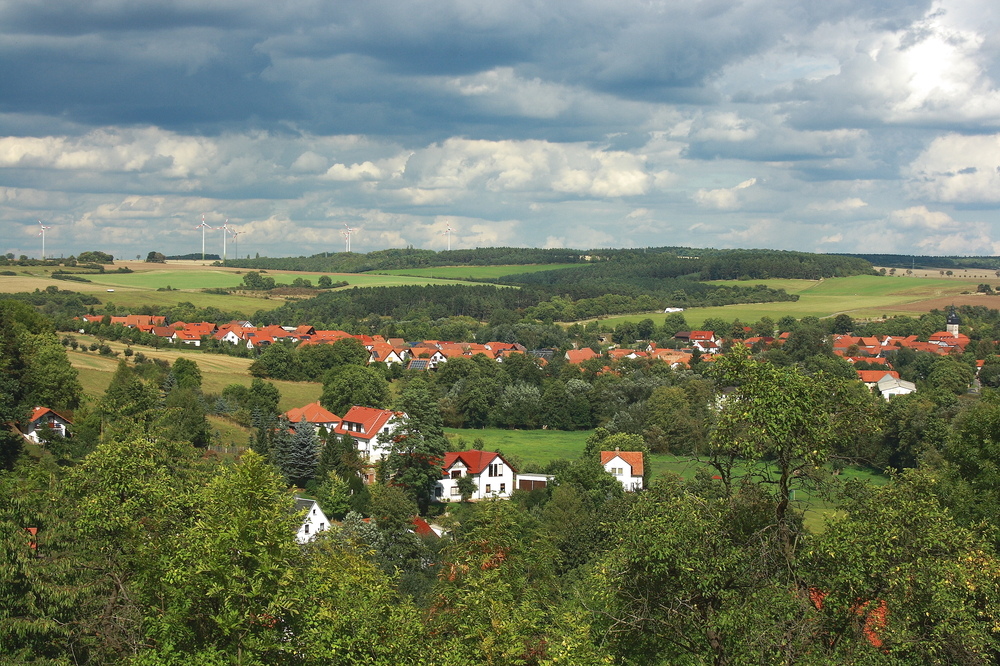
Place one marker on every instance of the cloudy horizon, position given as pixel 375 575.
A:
pixel 842 126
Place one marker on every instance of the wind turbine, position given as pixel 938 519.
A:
pixel 236 241
pixel 203 226
pixel 347 235
pixel 225 230
pixel 42 234
pixel 447 232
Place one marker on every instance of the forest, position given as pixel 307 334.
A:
pixel 131 542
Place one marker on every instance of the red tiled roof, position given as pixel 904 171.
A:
pixel 633 458
pixel 39 412
pixel 475 461
pixel 873 376
pixel 580 355
pixel 372 420
pixel 313 413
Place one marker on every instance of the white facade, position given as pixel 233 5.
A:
pixel 493 479
pixel 313 522
pixel 624 471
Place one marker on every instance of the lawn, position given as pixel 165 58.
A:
pixel 532 447
pixel 860 296
pixel 476 272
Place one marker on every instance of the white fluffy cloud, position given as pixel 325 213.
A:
pixel 838 126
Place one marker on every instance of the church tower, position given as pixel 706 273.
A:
pixel 953 322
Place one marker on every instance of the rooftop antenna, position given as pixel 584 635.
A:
pixel 347 236
pixel 447 232
pixel 204 225
pixel 42 229
pixel 225 230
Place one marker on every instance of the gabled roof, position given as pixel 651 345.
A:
pixel 474 461
pixel 372 420
pixel 874 376
pixel 633 458
pixel 313 413
pixel 40 412
pixel 581 355
pixel 701 335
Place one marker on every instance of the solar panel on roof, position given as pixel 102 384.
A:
pixel 418 364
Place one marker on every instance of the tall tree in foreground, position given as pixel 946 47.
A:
pixel 896 580
pixel 417 445
pixel 787 421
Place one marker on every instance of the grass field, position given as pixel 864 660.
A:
pixel 476 272
pixel 187 279
pixel 218 371
pixel 539 447
pixel 861 296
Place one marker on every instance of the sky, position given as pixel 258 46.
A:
pixel 834 126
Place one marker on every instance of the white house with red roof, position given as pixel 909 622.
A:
pixel 705 341
pixel 626 466
pixel 494 477
pixel 44 422
pixel 364 425
pixel 315 415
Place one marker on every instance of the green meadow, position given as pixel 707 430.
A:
pixel 860 296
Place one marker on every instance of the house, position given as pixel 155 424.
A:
pixel 626 466
pixel 705 341
pixel 364 425
pixel 581 355
pixel 871 378
pixel 493 476
pixel 889 386
pixel 383 352
pixel 314 520
pixel 44 422
pixel 314 414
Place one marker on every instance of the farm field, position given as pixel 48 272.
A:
pixel 139 288
pixel 475 272
pixel 218 371
pixel 860 296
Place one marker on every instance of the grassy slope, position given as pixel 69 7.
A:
pixel 139 289
pixel 217 371
pixel 860 296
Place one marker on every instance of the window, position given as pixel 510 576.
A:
pixel 488 489
pixel 456 474
pixel 496 469
pixel 438 491
pixel 322 526
pixel 616 471
pixel 306 528
pixel 503 488
pixel 455 492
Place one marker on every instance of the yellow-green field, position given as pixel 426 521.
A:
pixel 187 279
pixel 218 371
pixel 861 296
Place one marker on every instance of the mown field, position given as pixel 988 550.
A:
pixel 218 371
pixel 861 296
pixel 475 272
pixel 186 280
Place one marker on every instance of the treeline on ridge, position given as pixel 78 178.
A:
pixel 925 262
